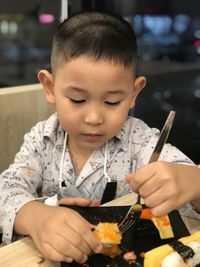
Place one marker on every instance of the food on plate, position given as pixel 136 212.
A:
pixel 130 256
pixel 175 259
pixel 184 252
pixel 110 236
pixel 162 223
pixel 142 254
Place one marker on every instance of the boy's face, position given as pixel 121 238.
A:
pixel 92 99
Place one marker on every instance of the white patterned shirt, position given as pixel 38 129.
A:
pixel 35 171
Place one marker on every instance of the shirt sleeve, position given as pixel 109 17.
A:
pixel 20 183
pixel 169 152
pixel 189 211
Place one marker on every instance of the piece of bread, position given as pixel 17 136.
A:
pixel 155 257
pixel 110 236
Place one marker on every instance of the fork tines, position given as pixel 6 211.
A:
pixel 127 222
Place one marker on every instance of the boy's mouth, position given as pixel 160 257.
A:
pixel 92 137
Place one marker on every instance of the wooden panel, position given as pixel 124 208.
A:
pixel 21 108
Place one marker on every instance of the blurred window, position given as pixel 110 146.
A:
pixel 26 29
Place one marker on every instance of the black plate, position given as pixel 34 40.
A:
pixel 140 238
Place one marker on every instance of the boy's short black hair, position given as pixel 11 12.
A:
pixel 101 36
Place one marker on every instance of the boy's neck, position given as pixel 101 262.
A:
pixel 78 157
pixel 78 162
pixel 76 150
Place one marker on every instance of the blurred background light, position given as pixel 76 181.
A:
pixel 46 18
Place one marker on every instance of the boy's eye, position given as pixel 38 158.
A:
pixel 77 101
pixel 112 103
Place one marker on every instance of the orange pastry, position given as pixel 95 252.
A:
pixel 110 236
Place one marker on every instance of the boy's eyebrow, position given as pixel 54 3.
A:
pixel 76 88
pixel 116 92
pixel 113 92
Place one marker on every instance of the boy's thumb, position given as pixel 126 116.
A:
pixel 129 177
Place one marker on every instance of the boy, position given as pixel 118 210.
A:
pixel 93 86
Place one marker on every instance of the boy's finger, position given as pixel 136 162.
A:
pixel 129 177
pixel 50 253
pixel 162 209
pixel 68 259
pixel 156 198
pixel 83 233
pixel 95 244
pixel 75 201
pixel 95 203
pixel 149 188
pixel 70 244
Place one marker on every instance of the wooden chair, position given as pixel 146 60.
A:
pixel 21 108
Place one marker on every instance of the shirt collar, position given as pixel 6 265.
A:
pixel 53 129
pixel 121 136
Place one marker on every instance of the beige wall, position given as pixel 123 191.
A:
pixel 21 107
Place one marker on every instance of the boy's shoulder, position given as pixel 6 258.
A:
pixel 48 128
pixel 138 125
pixel 133 121
pixel 137 130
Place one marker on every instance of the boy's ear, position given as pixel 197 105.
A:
pixel 139 84
pixel 46 80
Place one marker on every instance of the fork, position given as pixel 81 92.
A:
pixel 136 208
pixel 130 217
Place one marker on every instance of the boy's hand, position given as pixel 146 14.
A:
pixel 60 233
pixel 165 186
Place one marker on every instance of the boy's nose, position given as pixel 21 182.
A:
pixel 94 117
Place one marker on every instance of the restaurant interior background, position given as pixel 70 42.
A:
pixel 168 34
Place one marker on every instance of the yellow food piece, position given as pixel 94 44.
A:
pixel 164 226
pixel 162 223
pixel 154 257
